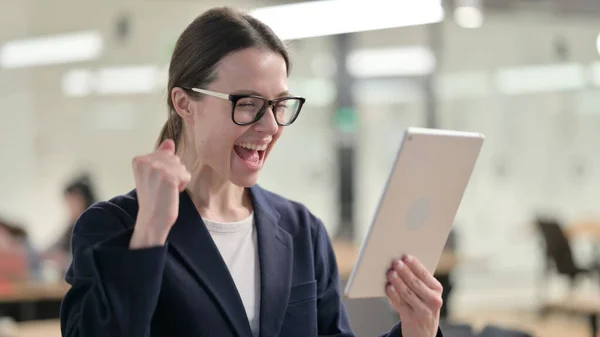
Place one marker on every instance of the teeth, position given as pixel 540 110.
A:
pixel 252 146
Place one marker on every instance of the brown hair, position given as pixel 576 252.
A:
pixel 15 230
pixel 209 38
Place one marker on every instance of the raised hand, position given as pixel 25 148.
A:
pixel 159 178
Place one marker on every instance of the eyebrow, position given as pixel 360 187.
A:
pixel 255 93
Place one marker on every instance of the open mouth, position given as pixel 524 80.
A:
pixel 250 153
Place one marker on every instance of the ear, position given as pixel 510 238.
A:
pixel 184 105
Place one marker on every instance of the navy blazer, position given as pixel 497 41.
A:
pixel 185 289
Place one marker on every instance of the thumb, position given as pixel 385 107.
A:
pixel 167 146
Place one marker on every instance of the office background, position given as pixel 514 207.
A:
pixel 525 73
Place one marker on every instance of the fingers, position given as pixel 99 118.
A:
pixel 162 165
pixel 403 308
pixel 184 177
pixel 419 281
pixel 140 167
pixel 422 273
pixel 170 166
pixel 167 146
pixel 406 292
pixel 176 169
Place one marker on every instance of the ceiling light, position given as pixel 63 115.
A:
pixel 77 82
pixel 119 80
pixel 331 17
pixel 541 78
pixel 390 62
pixel 127 80
pixel 468 16
pixel 47 50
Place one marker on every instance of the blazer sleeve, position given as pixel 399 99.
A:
pixel 332 316
pixel 114 290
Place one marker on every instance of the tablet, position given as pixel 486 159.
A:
pixel 418 205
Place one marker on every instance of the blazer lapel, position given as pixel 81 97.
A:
pixel 190 238
pixel 275 252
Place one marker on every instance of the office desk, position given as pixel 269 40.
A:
pixel 27 301
pixel 347 252
pixel 49 328
pixel 584 229
pixel 33 291
pixel 588 307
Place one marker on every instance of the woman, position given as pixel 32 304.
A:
pixel 79 196
pixel 18 260
pixel 198 249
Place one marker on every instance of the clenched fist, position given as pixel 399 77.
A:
pixel 159 178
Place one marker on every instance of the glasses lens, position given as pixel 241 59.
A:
pixel 286 110
pixel 246 109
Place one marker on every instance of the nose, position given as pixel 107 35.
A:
pixel 267 124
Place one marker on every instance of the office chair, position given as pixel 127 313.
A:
pixel 558 252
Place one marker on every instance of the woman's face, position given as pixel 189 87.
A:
pixel 236 153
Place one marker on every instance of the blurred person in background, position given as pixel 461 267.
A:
pixel 198 248
pixel 18 260
pixel 18 264
pixel 78 195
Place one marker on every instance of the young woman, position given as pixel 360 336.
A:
pixel 198 248
pixel 79 195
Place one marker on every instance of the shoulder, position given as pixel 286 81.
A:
pixel 117 213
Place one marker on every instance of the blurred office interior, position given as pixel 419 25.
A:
pixel 83 90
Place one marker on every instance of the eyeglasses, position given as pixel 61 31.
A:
pixel 249 109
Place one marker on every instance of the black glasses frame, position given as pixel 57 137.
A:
pixel 267 103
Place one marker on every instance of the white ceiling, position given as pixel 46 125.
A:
pixel 21 18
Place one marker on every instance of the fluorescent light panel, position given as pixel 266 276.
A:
pixel 390 62
pixel 595 73
pixel 47 50
pixel 126 80
pixel 468 17
pixel 386 91
pixel 77 83
pixel 121 80
pixel 331 17
pixel 464 85
pixel 541 78
pixel 468 13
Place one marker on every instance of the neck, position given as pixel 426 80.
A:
pixel 215 198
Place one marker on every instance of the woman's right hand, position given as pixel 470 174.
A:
pixel 159 178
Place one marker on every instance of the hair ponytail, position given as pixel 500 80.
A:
pixel 172 129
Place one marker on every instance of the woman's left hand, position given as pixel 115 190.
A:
pixel 416 295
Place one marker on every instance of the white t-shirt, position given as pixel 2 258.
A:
pixel 237 243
